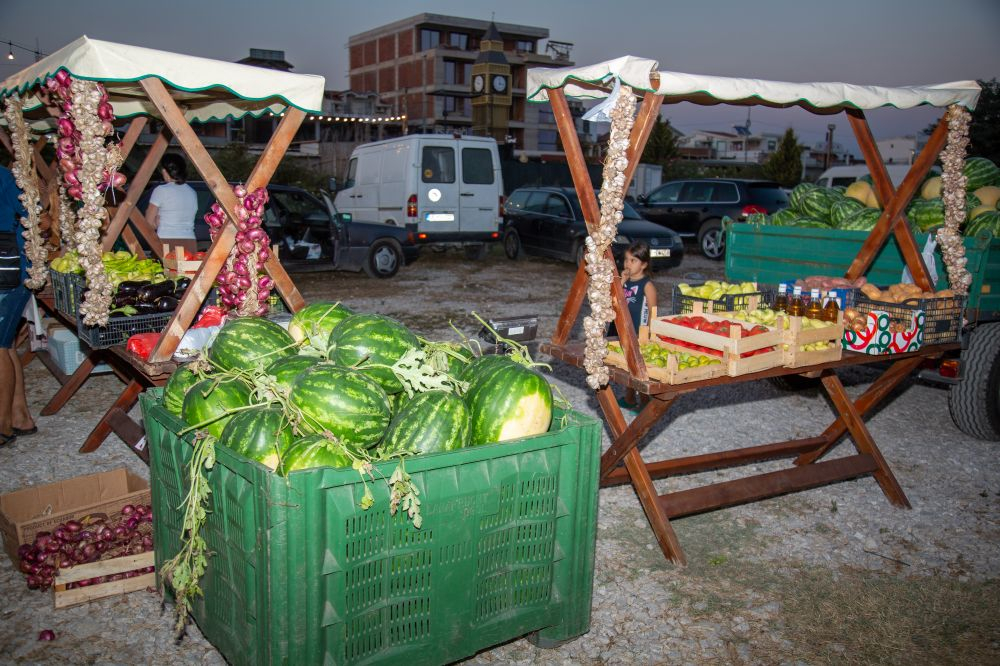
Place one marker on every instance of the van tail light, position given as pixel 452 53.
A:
pixel 751 209
pixel 495 235
pixel 501 205
pixel 411 206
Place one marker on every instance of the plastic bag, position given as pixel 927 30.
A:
pixel 141 344
pixel 211 315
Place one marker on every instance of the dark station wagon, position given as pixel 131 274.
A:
pixel 548 221
pixel 694 208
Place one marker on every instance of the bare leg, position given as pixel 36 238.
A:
pixel 7 381
pixel 20 414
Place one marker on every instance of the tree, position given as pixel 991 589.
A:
pixel 785 164
pixel 984 132
pixel 661 148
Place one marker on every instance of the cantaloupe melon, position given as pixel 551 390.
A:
pixel 979 210
pixel 858 190
pixel 871 200
pixel 931 188
pixel 989 195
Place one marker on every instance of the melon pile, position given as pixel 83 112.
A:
pixel 338 388
pixel 857 208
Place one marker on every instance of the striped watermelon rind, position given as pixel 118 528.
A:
pixel 177 386
pixel 988 221
pixel 507 401
pixel 314 451
pixel 843 209
pixel 980 172
pixel 429 422
pixel 286 370
pixel 314 323
pixel 366 340
pixel 250 343
pixel 207 403
pixel 816 203
pixel 809 223
pixel 263 434
pixel 348 404
pixel 926 214
pixel 784 218
pixel 863 220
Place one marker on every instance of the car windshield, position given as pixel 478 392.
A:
pixel 767 195
pixel 628 213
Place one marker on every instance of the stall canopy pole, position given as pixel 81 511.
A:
pixel 216 256
pixel 894 201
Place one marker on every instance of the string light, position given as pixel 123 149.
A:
pixel 350 119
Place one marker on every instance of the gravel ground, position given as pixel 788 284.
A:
pixel 730 605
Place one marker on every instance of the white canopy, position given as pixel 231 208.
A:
pixel 593 82
pixel 205 89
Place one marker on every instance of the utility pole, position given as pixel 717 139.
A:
pixel 829 145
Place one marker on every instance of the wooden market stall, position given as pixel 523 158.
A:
pixel 623 462
pixel 174 91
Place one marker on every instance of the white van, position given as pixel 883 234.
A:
pixel 845 175
pixel 449 186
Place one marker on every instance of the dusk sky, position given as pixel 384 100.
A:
pixel 881 42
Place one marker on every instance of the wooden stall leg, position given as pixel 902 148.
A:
pixel 658 520
pixel 863 441
pixel 70 387
pixel 629 436
pixel 124 403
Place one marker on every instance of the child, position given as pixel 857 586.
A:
pixel 640 295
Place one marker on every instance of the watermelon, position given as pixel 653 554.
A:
pixel 285 370
pixel 972 201
pixel 374 339
pixel 449 357
pixel 507 401
pixel 817 202
pixel 315 451
pixel 347 403
pixel 314 323
pixel 784 218
pixel 809 223
pixel 980 172
pixel 262 434
pixel 396 401
pixel 843 209
pixel 177 386
pixel 209 401
pixel 796 196
pixel 926 214
pixel 248 343
pixel 989 221
pixel 863 220
pixel 428 423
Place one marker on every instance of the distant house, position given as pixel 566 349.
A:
pixel 901 149
pixel 728 147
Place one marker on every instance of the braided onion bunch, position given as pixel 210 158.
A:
pixel 953 183
pixel 26 178
pixel 599 267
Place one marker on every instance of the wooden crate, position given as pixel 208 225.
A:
pixel 672 373
pixel 173 260
pixel 730 348
pixel 80 595
pixel 795 337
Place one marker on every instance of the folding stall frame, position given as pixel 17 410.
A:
pixel 622 462
pixel 176 90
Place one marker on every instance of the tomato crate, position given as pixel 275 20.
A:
pixel 64 596
pixel 942 317
pixel 672 373
pixel 797 336
pixel 174 261
pixel 732 348
pixel 301 575
pixel 684 304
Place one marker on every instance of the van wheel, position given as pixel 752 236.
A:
pixel 974 402
pixel 384 259
pixel 712 239
pixel 475 252
pixel 512 244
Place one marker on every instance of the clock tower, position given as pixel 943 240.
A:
pixel 491 83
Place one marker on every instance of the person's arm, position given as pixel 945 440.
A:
pixel 153 215
pixel 650 293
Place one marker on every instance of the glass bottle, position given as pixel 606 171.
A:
pixel 815 308
pixel 832 308
pixel 795 306
pixel 781 301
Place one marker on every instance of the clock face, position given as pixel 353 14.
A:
pixel 499 83
pixel 477 83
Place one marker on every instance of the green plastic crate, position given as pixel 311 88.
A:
pixel 302 575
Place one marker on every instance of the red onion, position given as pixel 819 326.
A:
pixel 246 247
pixel 33 583
pixel 65 144
pixel 263 295
pixel 265 282
pixel 66 127
pixel 63 78
pixel 256 235
pixel 240 191
pixel 75 192
pixel 105 112
pixel 261 311
pixel 128 510
pixel 244 283
pixel 242 214
pixel 66 165
pixel 263 254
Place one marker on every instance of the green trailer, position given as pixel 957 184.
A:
pixel 771 254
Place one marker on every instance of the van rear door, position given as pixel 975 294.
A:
pixel 479 190
pixel 437 189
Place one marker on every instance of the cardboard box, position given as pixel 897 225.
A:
pixel 26 512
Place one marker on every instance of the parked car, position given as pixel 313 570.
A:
pixel 694 208
pixel 548 221
pixel 299 222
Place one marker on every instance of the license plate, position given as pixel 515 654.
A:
pixel 659 253
pixel 440 217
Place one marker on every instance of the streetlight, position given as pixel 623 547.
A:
pixel 829 144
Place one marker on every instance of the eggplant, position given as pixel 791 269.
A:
pixel 181 285
pixel 120 300
pixel 144 308
pixel 132 287
pixel 165 304
pixel 151 292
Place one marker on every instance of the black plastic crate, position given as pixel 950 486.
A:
pixel 942 316
pixel 120 329
pixel 66 289
pixel 682 304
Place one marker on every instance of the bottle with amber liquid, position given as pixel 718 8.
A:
pixel 781 301
pixel 795 307
pixel 831 310
pixel 815 308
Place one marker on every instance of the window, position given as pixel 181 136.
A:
pixel 459 40
pixel 669 193
pixel 725 193
pixel 516 200
pixel 457 73
pixel 429 39
pixel 477 166
pixel 526 45
pixel 352 171
pixel 438 164
pixel 547 139
pixel 456 106
pixel 557 206
pixel 697 192
pixel 299 206
pixel 546 117
pixel 536 202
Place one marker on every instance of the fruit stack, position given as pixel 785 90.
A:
pixel 805 341
pixel 715 296
pixel 669 364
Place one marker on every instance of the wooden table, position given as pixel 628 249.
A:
pixel 622 462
